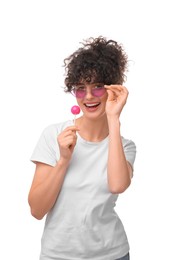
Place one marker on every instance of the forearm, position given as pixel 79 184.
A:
pixel 44 194
pixel 118 172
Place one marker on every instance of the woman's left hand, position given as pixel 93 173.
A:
pixel 117 97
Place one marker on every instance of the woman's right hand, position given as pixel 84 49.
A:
pixel 67 141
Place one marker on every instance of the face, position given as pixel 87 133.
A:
pixel 91 98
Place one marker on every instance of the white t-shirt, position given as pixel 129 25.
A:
pixel 83 223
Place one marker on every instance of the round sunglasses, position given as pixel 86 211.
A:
pixel 81 91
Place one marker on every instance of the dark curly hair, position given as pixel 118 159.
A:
pixel 98 61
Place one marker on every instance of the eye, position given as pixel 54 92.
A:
pixel 99 86
pixel 80 88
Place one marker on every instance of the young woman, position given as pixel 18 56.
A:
pixel 81 168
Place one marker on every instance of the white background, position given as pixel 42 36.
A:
pixel 35 38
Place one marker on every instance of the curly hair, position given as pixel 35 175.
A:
pixel 98 61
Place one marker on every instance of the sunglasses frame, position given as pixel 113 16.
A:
pixel 93 90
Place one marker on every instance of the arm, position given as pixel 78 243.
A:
pixel 48 180
pixel 45 187
pixel 119 170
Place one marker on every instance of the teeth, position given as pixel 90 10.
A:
pixel 92 105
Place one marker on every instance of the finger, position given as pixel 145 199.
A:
pixel 122 89
pixel 72 142
pixel 123 93
pixel 117 87
pixel 68 131
pixel 67 142
pixel 111 95
pixel 72 128
pixel 115 93
pixel 64 136
pixel 113 86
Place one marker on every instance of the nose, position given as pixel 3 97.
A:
pixel 89 94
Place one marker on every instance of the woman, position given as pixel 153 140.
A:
pixel 81 168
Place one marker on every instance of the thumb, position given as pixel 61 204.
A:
pixel 111 96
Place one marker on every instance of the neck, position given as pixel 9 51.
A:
pixel 93 130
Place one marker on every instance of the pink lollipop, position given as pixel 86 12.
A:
pixel 75 111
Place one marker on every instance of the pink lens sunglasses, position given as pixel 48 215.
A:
pixel 81 91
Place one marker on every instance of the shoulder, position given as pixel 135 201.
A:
pixel 46 149
pixel 129 150
pixel 128 143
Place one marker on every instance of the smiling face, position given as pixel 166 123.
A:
pixel 92 99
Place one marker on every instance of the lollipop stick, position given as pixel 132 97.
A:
pixel 74 119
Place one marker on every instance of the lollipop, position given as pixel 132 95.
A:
pixel 75 111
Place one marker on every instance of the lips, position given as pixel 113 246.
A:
pixel 92 105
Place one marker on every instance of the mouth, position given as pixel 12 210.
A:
pixel 92 105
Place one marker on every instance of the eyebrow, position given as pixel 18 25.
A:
pixel 92 84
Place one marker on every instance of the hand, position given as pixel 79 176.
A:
pixel 117 97
pixel 67 141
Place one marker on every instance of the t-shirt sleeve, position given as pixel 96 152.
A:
pixel 130 151
pixel 46 150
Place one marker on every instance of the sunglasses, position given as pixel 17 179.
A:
pixel 81 91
